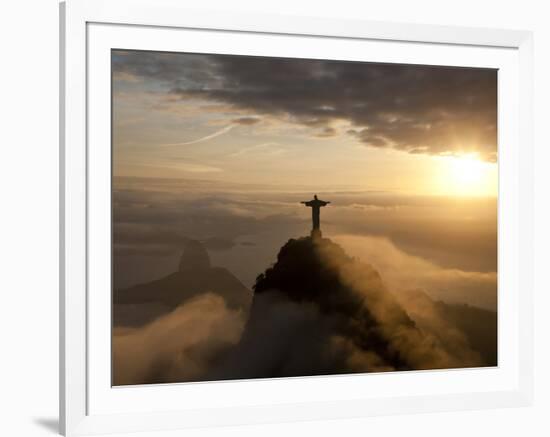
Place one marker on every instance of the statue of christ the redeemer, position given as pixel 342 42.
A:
pixel 315 206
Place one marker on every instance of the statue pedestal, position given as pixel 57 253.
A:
pixel 316 234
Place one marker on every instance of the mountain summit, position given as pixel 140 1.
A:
pixel 318 311
pixel 348 294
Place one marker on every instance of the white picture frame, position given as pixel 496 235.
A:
pixel 88 404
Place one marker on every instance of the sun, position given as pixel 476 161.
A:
pixel 467 170
pixel 466 175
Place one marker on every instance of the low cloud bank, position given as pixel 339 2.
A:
pixel 403 272
pixel 179 346
pixel 316 311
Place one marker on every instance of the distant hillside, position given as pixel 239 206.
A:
pixel 478 326
pixel 139 304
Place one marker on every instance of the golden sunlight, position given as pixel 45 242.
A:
pixel 467 176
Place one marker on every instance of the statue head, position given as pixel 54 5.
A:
pixel 315 196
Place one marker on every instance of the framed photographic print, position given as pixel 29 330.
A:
pixel 284 218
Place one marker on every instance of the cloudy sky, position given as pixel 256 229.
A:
pixel 305 122
pixel 222 149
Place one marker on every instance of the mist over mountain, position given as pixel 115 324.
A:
pixel 214 155
pixel 457 326
pixel 140 304
pixel 318 311
pixel 315 311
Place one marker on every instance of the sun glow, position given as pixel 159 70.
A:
pixel 467 176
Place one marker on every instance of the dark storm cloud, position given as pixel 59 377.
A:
pixel 167 69
pixel 418 109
